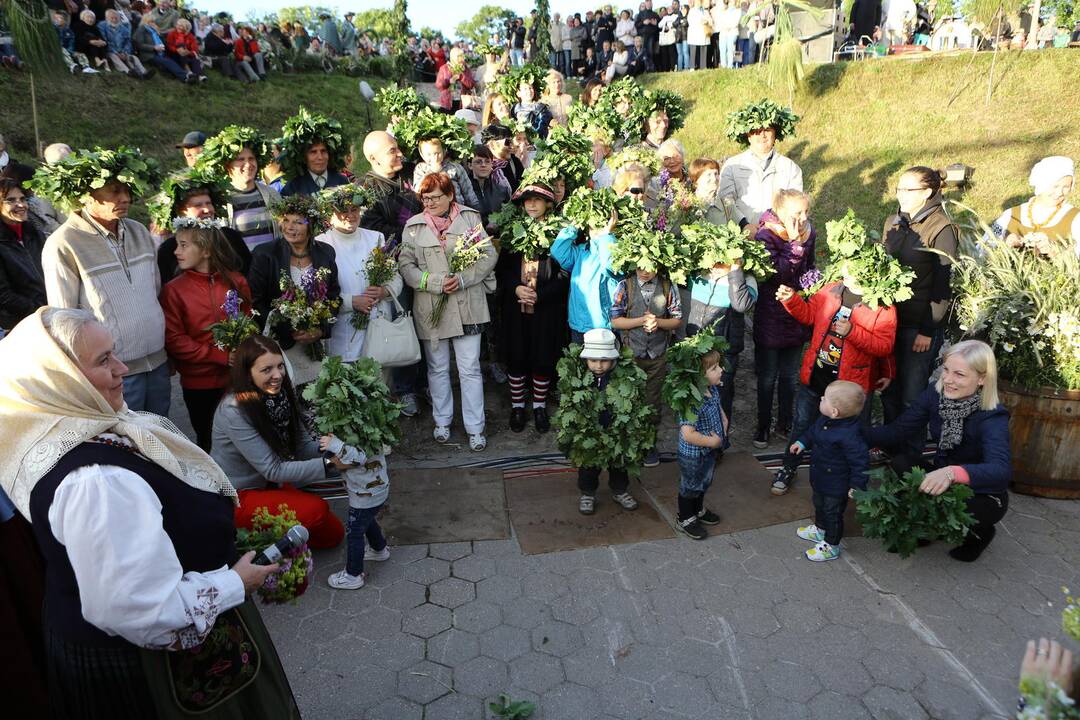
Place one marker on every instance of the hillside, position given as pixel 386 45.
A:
pixel 863 123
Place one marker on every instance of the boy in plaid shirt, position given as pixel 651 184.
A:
pixel 700 443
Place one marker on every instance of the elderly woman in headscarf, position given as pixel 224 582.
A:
pixel 1047 222
pixel 135 524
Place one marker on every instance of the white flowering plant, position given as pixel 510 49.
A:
pixel 1024 305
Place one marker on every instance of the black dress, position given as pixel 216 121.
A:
pixel 531 343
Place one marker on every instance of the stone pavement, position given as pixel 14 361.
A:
pixel 738 626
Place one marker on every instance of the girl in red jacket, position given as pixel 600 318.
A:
pixel 247 53
pixel 848 342
pixel 192 303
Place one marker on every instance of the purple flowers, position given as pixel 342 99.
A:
pixel 810 278
pixel 232 305
pixel 661 220
pixel 665 178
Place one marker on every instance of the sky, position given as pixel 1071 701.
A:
pixel 439 14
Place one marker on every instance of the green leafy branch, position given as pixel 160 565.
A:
pixel 684 385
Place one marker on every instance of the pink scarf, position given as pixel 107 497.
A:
pixel 438 225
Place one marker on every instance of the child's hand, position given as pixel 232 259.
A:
pixel 715 441
pixel 795 449
pixel 324 442
pixel 784 293
pixel 649 323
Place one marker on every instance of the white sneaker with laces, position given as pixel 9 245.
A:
pixel 379 556
pixel 812 533
pixel 344 581
pixel 441 434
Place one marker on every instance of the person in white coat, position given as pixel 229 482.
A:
pixel 353 246
pixel 898 14
pixel 752 177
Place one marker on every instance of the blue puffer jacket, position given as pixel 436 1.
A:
pixel 840 457
pixel 592 282
pixel 983 452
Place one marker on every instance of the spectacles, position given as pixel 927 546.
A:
pixel 431 199
pixel 636 190
pixel 915 189
pixel 16 201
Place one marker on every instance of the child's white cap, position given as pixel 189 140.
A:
pixel 599 345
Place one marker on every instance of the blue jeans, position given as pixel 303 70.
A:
pixel 776 368
pixel 517 57
pixel 683 50
pixel 149 391
pixel 363 525
pixel 829 516
pixel 726 50
pixel 696 474
pixel 166 64
pixel 912 376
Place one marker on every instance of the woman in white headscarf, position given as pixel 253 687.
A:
pixel 135 524
pixel 1047 222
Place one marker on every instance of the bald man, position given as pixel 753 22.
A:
pixel 56 152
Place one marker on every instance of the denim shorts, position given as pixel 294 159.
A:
pixel 696 473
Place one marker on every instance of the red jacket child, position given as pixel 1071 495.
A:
pixel 867 345
pixel 192 303
pixel 245 49
pixel 175 40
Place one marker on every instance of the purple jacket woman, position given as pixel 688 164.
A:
pixel 778 337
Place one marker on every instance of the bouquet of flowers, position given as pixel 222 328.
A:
pixel 726 244
pixel 352 402
pixel 236 327
pixel 677 205
pixel 469 251
pixel 684 385
pixel 380 267
pixel 306 306
pixel 291 579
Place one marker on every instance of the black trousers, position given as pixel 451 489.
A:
pixel 588 480
pixel 201 405
pixel 829 516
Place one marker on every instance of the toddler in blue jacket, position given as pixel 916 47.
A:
pixel 839 463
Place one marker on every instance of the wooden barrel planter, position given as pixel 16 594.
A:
pixel 1044 426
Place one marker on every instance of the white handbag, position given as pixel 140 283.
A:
pixel 392 343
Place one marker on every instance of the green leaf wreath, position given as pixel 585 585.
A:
pixel 427 124
pixel 634 155
pixel 221 149
pixel 67 182
pixel 352 402
pixel 562 154
pixel 631 434
pixel 305 129
pixel 854 252
pixel 306 207
pixel 586 209
pixel 901 515
pixel 672 105
pixel 344 198
pixel 625 100
pixel 520 233
pixel 762 114
pixel 507 85
pixel 684 385
pixel 165 204
pixel 653 251
pixel 399 102
pixel 485 49
pixel 596 122
pixel 724 244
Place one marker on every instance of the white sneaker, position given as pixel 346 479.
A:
pixel 386 450
pixel 812 533
pixel 380 556
pixel 441 434
pixel 344 581
pixel 89 71
pixel 477 442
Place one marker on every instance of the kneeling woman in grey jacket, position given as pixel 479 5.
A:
pixel 262 445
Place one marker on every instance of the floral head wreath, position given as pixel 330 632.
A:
pixel 345 198
pixel 190 223
pixel 304 206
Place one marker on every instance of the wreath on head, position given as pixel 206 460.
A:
pixel 485 49
pixel 304 206
pixel 762 114
pixel 635 155
pixel 344 198
pixel 597 121
pixel 221 149
pixel 520 233
pixel 628 123
pixel 563 154
pixel 507 85
pixel 67 182
pixel 663 100
pixel 399 102
pixel 305 129
pixel 684 385
pixel 428 124
pixel 727 244
pixel 631 433
pixel 179 186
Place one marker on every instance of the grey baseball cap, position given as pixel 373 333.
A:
pixel 193 139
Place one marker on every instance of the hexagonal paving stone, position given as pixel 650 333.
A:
pixel 482 676
pixel 427 570
pixel 893 670
pixel 524 612
pixel 886 703
pixel 395 709
pixel 474 568
pixel 377 623
pixel 395 653
pixel 402 595
pixel 504 642
pixel 834 706
pixel 684 695
pixel 477 616
pixel 426 620
pixel 799 616
pixel 545 586
pixel 324 625
pixel 424 682
pixel 450 551
pixel 451 592
pixel 453 647
pixel 498 589
pixel 570 701
pixel 556 638
pixel 791 681
pixel 574 611
pixel 536 672
pixel 456 707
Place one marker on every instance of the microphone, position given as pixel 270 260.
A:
pixel 294 538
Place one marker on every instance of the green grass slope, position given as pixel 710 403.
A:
pixel 863 123
pixel 154 115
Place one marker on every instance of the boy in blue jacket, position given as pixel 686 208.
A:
pixel 839 463
pixel 592 281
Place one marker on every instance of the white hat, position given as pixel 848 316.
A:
pixel 599 345
pixel 469 116
pixel 1048 171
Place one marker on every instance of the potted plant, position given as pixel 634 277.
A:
pixel 1023 302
